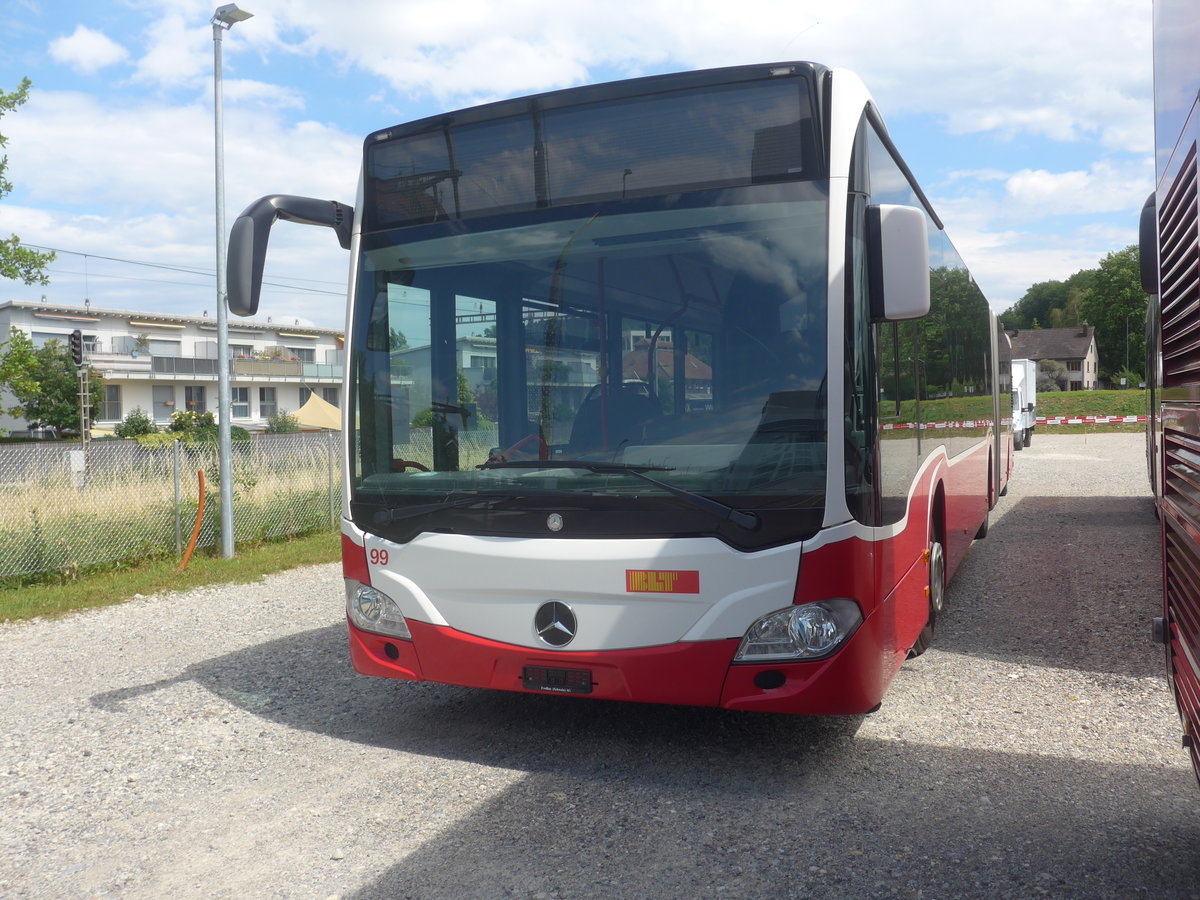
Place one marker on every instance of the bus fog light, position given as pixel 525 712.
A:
pixel 807 631
pixel 372 610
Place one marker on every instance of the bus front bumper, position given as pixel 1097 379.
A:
pixel 694 673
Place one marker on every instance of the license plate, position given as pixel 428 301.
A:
pixel 557 681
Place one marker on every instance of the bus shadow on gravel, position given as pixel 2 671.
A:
pixel 631 800
pixel 939 822
pixel 1070 582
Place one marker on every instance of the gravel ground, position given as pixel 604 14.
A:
pixel 216 743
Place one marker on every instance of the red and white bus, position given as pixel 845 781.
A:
pixel 1170 256
pixel 669 390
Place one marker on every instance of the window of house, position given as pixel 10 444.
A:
pixel 330 395
pixel 240 397
pixel 163 402
pixel 305 393
pixel 1073 365
pixel 240 351
pixel 112 403
pixel 194 396
pixel 40 339
pixel 267 406
pixel 304 354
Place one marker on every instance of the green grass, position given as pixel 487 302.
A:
pixel 58 594
pixel 1092 403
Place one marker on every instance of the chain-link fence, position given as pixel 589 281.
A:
pixel 62 507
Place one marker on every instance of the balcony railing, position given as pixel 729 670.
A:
pixel 203 367
pixel 267 367
pixel 320 370
pixel 182 365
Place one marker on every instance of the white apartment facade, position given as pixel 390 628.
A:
pixel 166 363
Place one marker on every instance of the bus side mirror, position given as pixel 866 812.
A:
pixel 248 240
pixel 898 262
pixel 1148 246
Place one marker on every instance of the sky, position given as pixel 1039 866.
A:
pixel 1028 124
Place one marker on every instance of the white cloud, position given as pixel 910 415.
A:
pixel 1104 188
pixel 1020 67
pixel 87 51
pixel 141 188
pixel 244 90
pixel 177 53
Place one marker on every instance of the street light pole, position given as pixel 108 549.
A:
pixel 223 19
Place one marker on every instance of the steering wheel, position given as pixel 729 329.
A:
pixel 543 448
pixel 400 465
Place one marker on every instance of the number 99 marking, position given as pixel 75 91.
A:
pixel 378 557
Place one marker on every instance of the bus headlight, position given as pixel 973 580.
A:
pixel 807 631
pixel 372 610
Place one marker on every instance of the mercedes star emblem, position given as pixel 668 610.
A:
pixel 555 624
pixel 554 522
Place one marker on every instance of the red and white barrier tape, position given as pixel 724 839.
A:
pixel 1041 420
pixel 1088 420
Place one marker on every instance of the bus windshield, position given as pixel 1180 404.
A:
pixel 685 335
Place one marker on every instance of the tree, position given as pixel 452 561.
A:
pixel 17 262
pixel 1036 305
pixel 1052 375
pixel 44 382
pixel 1057 303
pixel 1116 306
pixel 1070 316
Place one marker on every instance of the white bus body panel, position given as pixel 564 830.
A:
pixel 491 587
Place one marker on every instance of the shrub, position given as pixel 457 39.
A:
pixel 282 422
pixel 135 423
pixel 187 420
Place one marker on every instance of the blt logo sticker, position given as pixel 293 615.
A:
pixel 660 581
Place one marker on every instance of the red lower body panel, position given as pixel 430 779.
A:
pixel 695 673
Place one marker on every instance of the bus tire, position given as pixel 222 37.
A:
pixel 937 595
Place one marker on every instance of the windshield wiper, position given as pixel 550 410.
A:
pixel 399 513
pixel 722 511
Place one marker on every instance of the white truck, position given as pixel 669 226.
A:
pixel 1024 396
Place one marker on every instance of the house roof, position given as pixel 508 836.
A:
pixel 95 313
pixel 1053 343
pixel 635 364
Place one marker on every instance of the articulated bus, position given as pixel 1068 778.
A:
pixel 1170 257
pixel 668 390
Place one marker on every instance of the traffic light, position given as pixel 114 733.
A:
pixel 77 347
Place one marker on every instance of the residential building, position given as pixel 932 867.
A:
pixel 1074 347
pixel 166 363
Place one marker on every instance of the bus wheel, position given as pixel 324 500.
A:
pixel 937 593
pixel 983 528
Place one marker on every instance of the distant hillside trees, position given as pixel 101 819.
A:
pixel 1108 297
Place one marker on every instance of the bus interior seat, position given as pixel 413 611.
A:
pixel 630 409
